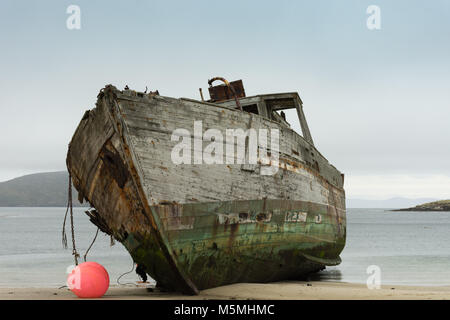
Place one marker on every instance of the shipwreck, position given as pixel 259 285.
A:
pixel 277 213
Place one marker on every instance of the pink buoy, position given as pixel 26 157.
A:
pixel 88 280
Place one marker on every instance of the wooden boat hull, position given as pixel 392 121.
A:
pixel 199 226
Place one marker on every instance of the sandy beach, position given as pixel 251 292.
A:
pixel 244 291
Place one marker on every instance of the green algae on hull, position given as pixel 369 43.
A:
pixel 214 251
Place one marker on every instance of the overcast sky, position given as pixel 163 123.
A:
pixel 377 101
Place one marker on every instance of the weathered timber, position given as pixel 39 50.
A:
pixel 196 226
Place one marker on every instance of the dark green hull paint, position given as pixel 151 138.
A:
pixel 254 243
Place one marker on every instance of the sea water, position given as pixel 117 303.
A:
pixel 409 248
pixel 32 254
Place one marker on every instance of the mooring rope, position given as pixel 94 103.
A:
pixel 74 249
pixel 64 236
pixel 85 255
pixel 121 284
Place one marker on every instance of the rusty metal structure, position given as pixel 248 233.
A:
pixel 195 226
pixel 224 92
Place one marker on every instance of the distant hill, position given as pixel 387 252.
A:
pixel 442 205
pixel 392 203
pixel 37 190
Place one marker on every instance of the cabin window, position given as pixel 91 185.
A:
pixel 253 108
pixel 288 116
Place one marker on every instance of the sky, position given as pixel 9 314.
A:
pixel 377 101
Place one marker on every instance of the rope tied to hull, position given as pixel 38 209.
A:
pixel 118 279
pixel 92 243
pixel 64 235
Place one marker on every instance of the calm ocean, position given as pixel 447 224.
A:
pixel 411 248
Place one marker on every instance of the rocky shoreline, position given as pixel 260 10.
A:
pixel 443 205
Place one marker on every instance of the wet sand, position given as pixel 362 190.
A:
pixel 271 291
